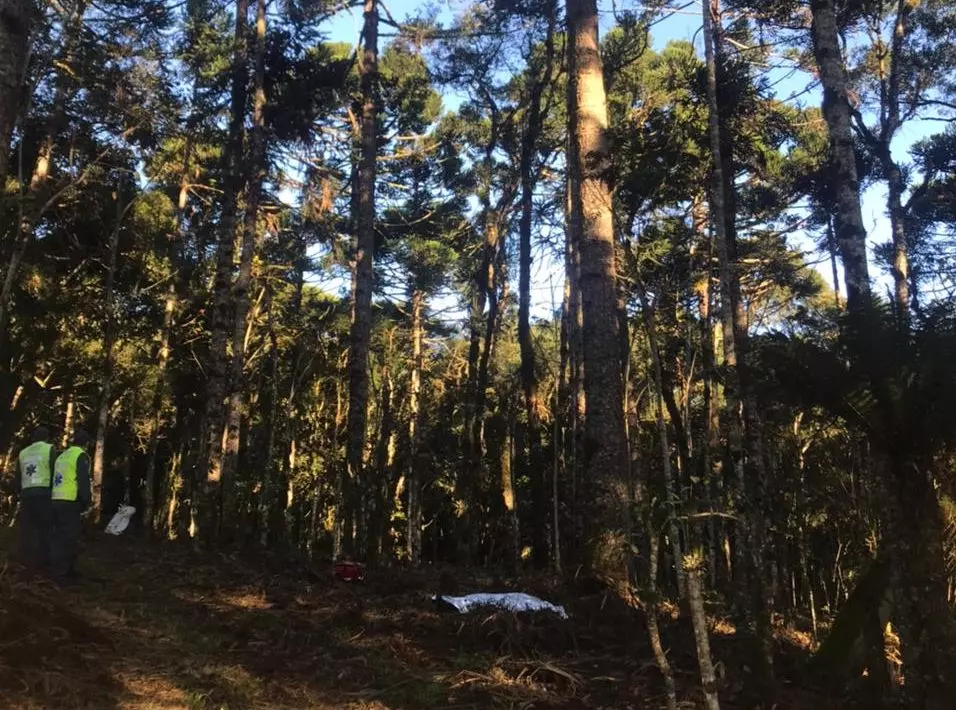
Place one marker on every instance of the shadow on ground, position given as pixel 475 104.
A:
pixel 160 626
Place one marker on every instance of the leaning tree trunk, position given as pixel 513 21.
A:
pixel 243 283
pixel 608 536
pixel 210 460
pixel 16 32
pixel 850 232
pixel 364 204
pixel 414 540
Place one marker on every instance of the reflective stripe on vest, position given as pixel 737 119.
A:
pixel 64 474
pixel 35 465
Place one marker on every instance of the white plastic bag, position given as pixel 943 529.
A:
pixel 512 601
pixel 120 520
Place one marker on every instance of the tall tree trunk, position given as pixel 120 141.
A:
pixel 106 376
pixel 17 20
pixel 711 426
pixel 150 519
pixel 574 326
pixel 379 473
pixel 850 232
pixel 606 449
pixel 156 419
pixel 352 483
pixel 240 290
pixel 414 540
pixel 669 489
pixel 533 459
pixel 269 490
pixel 221 321
pixel 741 413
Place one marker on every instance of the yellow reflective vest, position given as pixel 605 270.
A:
pixel 64 474
pixel 35 465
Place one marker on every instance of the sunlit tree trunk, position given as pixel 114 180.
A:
pixel 255 177
pixel 220 319
pixel 414 540
pixel 352 485
pixel 606 465
pixel 848 218
pixel 149 518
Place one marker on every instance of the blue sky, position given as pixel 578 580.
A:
pixel 684 25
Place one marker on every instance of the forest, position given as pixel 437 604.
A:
pixel 646 303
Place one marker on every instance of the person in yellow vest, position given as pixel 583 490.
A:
pixel 36 463
pixel 71 494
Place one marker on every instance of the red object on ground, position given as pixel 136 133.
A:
pixel 349 571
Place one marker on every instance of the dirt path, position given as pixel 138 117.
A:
pixel 154 626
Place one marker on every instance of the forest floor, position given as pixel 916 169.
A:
pixel 159 626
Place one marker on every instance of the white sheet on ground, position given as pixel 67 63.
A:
pixel 512 601
pixel 120 520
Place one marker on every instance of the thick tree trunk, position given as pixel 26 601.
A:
pixel 414 540
pixel 221 321
pixel 352 484
pixel 240 291
pixel 606 448
pixel 17 20
pixel 850 232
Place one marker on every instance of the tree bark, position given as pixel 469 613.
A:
pixel 669 490
pixel 414 539
pixel 150 520
pixel 741 414
pixel 17 20
pixel 240 291
pixel 653 628
pixel 606 448
pixel 210 460
pixel 850 232
pixel 532 458
pixel 352 483
pixel 692 564
pixel 106 376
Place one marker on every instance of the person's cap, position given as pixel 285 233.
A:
pixel 80 437
pixel 41 433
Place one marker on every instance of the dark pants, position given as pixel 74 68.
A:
pixel 36 523
pixel 65 543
